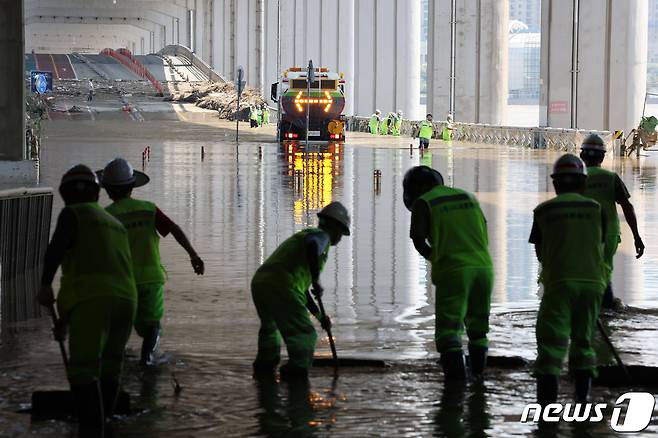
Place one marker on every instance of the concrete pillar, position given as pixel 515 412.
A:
pixel 593 63
pixel 480 57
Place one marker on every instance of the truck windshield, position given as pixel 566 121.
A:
pixel 301 84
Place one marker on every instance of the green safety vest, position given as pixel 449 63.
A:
pixel 139 219
pixel 426 129
pixel 374 124
pixel 266 117
pixel 601 188
pixel 383 127
pixel 253 114
pixel 571 247
pixel 458 231
pixel 397 126
pixel 99 264
pixel 287 267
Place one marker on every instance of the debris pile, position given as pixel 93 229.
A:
pixel 220 97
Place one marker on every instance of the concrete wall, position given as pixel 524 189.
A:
pixel 607 48
pixel 480 60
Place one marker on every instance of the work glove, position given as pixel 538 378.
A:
pixel 317 290
pixel 46 296
pixel 325 322
pixel 197 265
pixel 639 247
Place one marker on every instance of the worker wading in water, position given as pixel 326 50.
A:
pixel 569 234
pixel 425 132
pixel 448 228
pixel 280 287
pixel 606 188
pixel 145 224
pixel 97 297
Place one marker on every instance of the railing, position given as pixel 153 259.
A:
pixel 126 58
pixel 24 231
pixel 537 138
pixel 178 50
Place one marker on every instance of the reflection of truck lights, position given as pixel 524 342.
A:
pixel 334 136
pixel 291 135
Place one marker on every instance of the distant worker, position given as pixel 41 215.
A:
pixel 280 290
pixel 145 224
pixel 97 297
pixel 253 116
pixel 375 120
pixel 606 188
pixel 426 131
pixel 397 125
pixel 568 232
pixel 260 115
pixel 266 114
pixel 90 87
pixel 449 229
pixel 448 129
pixel 385 124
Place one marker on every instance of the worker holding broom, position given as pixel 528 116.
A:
pixel 569 235
pixel 280 291
pixel 606 188
pixel 97 297
pixel 145 224
pixel 448 228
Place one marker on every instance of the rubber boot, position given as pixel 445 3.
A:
pixel 454 366
pixel 583 383
pixel 88 403
pixel 110 391
pixel 478 361
pixel 264 369
pixel 149 345
pixel 608 298
pixel 292 372
pixel 547 386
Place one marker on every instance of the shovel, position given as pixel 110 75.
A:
pixel 607 340
pixel 49 404
pixel 334 355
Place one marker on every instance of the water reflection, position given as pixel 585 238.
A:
pixel 463 412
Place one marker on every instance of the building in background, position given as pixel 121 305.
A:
pixel 524 67
pixel 526 11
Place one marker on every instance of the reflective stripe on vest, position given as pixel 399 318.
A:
pixel 426 129
pixel 458 231
pixel 287 267
pixel 99 263
pixel 139 219
pixel 571 245
pixel 601 188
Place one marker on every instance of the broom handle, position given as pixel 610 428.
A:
pixel 62 349
pixel 331 338
pixel 607 340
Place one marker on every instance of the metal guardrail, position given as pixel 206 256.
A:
pixel 196 61
pixel 24 231
pixel 537 138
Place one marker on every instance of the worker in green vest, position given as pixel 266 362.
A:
pixel 375 120
pixel 259 110
pixel 426 131
pixel 97 296
pixel 448 129
pixel 448 228
pixel 266 115
pixel 569 235
pixel 383 125
pixel 253 116
pixel 280 290
pixel 606 188
pixel 145 224
pixel 397 124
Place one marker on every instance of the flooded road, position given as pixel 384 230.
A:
pixel 238 204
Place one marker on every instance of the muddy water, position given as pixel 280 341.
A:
pixel 238 204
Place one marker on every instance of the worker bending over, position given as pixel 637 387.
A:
pixel 145 224
pixel 279 289
pixel 97 296
pixel 425 133
pixel 397 124
pixel 448 228
pixel 375 120
pixel 606 188
pixel 569 234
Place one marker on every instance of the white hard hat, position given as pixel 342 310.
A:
pixel 377 111
pixel 593 143
pixel 449 117
pixel 119 172
pixel 569 164
pixel 400 113
pixel 337 213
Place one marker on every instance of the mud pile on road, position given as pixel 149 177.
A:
pixel 103 88
pixel 221 97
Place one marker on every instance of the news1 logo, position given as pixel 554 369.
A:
pixel 636 414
